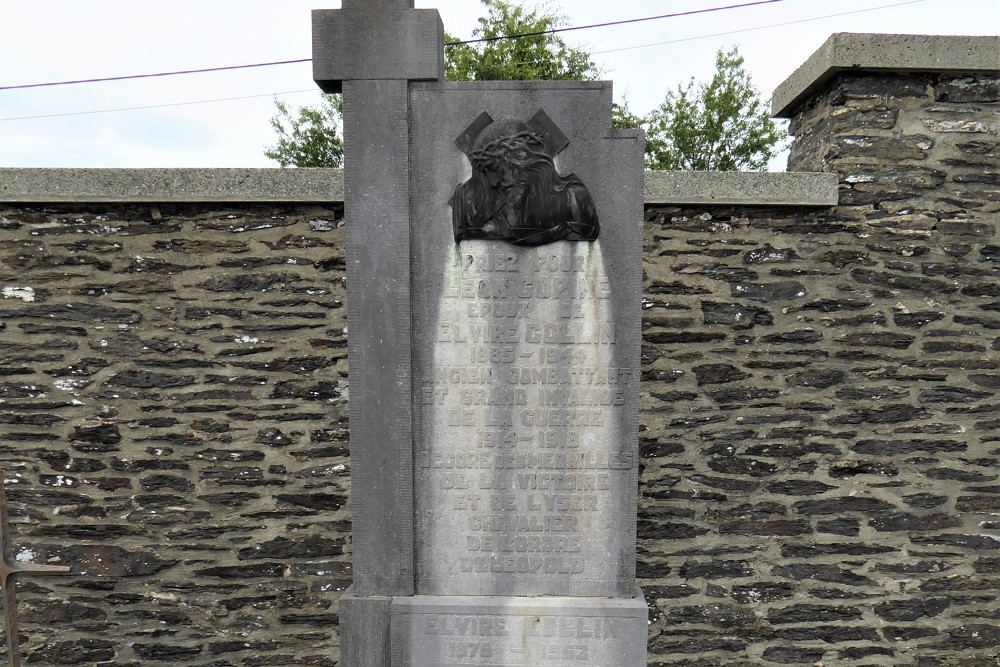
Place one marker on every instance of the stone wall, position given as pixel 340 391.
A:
pixel 820 478
pixel 173 406
pixel 821 448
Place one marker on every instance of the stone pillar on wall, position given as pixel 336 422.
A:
pixel 911 124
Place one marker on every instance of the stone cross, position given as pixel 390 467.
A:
pixel 370 50
pixel 10 567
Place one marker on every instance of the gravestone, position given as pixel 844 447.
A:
pixel 494 284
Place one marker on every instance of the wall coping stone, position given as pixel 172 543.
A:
pixel 741 188
pixel 52 186
pixel 108 186
pixel 881 52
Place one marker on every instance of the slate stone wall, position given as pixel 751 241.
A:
pixel 820 477
pixel 173 408
pixel 821 442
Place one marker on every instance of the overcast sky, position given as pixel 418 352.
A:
pixel 59 40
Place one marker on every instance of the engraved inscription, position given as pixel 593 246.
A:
pixel 521 441
pixel 478 639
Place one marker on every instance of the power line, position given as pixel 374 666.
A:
pixel 761 27
pixel 161 106
pixel 609 24
pixel 150 76
pixel 641 46
pixel 469 41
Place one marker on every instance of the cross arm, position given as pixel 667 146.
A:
pixel 383 42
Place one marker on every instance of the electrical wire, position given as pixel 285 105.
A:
pixel 762 27
pixel 161 106
pixel 641 46
pixel 469 41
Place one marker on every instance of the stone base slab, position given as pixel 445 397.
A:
pixel 471 631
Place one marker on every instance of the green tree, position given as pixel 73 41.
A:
pixel 722 125
pixel 538 55
pixel 311 136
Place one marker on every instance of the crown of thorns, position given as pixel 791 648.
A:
pixel 502 145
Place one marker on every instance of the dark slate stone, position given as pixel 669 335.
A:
pixel 812 613
pixel 718 374
pixel 902 447
pixel 817 378
pixel 657 287
pixel 872 393
pixel 103 437
pixel 844 258
pixel 240 645
pixel 721 569
pixel 752 594
pixel 855 468
pixel 991 323
pixel 250 282
pixel 315 501
pixel 990 504
pixel 241 572
pixel 717 614
pixel 847 527
pixel 916 320
pixel 769 292
pixel 882 339
pixel 925 500
pixel 317 391
pixel 953 395
pixel 958 475
pixel 828 573
pixel 896 281
pixel 968 88
pixel 912 609
pixel 274 437
pixel 785 655
pixel 281 547
pixel 831 634
pixel 165 652
pixel 907 633
pixel 158 482
pixel 890 414
pixel 799 487
pixel 82 651
pixel 914 522
pixel 736 315
pixel 973 636
pixel 947 347
pixel 735 465
pixel 984 542
pixel 769 255
pixel 860 652
pixel 779 527
pixel 799 337
pixel 148 379
pixel 841 505
pixel 79 312
pixel 835 305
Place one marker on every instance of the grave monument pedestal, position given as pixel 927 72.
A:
pixel 494 285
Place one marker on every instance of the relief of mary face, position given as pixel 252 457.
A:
pixel 517 195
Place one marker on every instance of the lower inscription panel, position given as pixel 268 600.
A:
pixel 471 631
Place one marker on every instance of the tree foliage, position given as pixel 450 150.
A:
pixel 722 125
pixel 309 138
pixel 537 55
